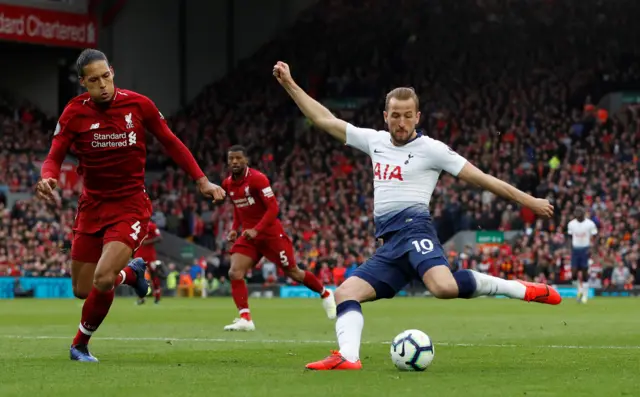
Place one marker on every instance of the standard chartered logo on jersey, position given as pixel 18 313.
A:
pixel 114 140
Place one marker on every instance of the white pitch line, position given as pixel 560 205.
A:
pixel 317 342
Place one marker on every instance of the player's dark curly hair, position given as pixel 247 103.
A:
pixel 87 57
pixel 238 148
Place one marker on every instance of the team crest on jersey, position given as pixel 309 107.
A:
pixel 409 158
pixel 247 193
pixel 128 120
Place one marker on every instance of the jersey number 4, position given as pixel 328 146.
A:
pixel 136 230
pixel 424 246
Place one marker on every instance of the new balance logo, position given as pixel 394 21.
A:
pixel 133 139
pixel 94 126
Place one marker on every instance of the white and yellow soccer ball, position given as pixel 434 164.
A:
pixel 412 350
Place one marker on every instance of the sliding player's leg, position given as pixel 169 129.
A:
pixel 378 278
pixel 427 257
pixel 244 256
pixel 279 250
pixel 468 284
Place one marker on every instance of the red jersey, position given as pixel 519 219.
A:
pixel 254 203
pixel 109 142
pixel 148 251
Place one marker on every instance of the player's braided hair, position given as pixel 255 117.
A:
pixel 87 57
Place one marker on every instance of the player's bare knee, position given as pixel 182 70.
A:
pixel 80 293
pixel 104 281
pixel 355 289
pixel 236 274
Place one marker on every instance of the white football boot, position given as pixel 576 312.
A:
pixel 240 324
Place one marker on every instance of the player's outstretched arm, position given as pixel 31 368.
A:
pixel 318 114
pixel 472 174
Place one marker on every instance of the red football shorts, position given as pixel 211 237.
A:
pixel 276 248
pixel 100 222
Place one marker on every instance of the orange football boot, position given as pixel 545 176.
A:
pixel 541 293
pixel 334 362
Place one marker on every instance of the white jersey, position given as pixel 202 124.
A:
pixel 404 177
pixel 581 232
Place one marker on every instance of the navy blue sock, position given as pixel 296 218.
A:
pixel 466 283
pixel 348 306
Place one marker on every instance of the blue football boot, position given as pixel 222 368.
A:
pixel 142 286
pixel 81 353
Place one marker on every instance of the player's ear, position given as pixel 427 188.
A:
pixel 82 83
pixel 385 115
pixel 113 72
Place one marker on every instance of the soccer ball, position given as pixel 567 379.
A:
pixel 412 350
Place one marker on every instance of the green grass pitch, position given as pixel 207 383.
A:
pixel 484 347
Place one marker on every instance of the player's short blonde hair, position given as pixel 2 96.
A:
pixel 402 94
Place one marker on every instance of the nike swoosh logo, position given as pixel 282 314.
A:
pixel 401 354
pixel 377 151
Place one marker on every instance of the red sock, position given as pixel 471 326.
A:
pixel 126 276
pixel 94 310
pixel 313 283
pixel 240 295
pixel 157 291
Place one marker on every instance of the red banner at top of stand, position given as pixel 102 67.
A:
pixel 40 26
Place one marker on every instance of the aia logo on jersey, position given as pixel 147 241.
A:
pixel 386 172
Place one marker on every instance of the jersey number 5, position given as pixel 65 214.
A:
pixel 136 230
pixel 424 246
pixel 283 259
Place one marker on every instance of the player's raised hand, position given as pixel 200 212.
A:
pixel 542 208
pixel 211 190
pixel 232 236
pixel 250 234
pixel 45 188
pixel 282 73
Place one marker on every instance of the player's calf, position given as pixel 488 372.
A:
pixel 312 282
pixel 239 265
pixel 115 256
pixel 471 284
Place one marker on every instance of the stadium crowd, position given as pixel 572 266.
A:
pixel 510 88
